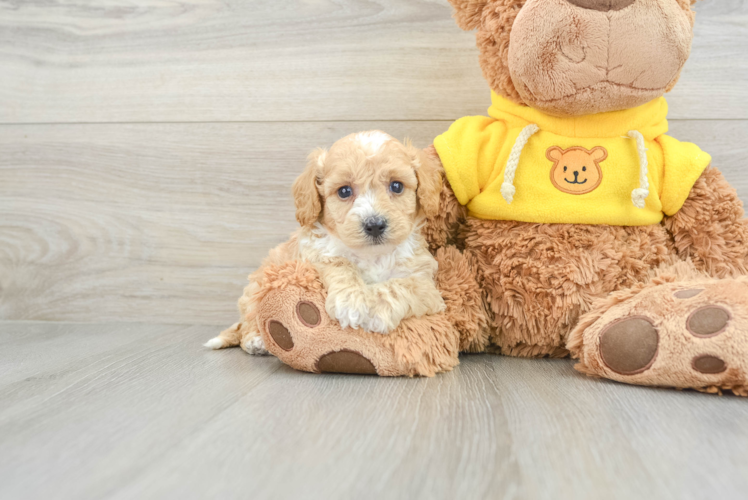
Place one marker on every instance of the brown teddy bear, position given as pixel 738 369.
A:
pixel 570 223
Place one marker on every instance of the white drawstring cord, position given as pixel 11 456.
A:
pixel 639 195
pixel 507 187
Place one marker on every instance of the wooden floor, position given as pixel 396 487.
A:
pixel 91 411
pixel 147 149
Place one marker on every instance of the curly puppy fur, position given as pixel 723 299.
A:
pixel 373 280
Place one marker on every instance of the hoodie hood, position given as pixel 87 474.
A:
pixel 649 119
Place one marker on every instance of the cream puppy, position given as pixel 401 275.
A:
pixel 360 206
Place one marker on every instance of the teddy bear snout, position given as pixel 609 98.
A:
pixel 602 5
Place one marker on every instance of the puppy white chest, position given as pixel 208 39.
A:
pixel 381 269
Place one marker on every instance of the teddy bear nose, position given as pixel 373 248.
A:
pixel 602 5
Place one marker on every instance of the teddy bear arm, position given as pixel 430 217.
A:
pixel 710 229
pixel 445 228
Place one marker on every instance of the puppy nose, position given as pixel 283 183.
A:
pixel 375 226
pixel 602 5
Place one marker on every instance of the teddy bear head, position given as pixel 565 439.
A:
pixel 580 57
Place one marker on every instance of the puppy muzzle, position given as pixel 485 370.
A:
pixel 375 228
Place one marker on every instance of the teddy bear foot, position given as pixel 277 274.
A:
pixel 296 329
pixel 691 334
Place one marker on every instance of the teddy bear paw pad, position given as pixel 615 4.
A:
pixel 629 346
pixel 280 335
pixel 346 362
pixel 671 335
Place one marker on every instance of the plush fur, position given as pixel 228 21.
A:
pixel 539 279
pixel 656 299
pixel 533 290
pixel 566 61
pixel 371 282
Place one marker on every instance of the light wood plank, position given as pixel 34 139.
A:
pixel 159 417
pixel 232 60
pixel 104 415
pixel 163 222
pixel 138 221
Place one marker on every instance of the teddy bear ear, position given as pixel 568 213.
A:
pixel 555 153
pixel 468 12
pixel 599 154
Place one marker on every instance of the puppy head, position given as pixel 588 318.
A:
pixel 369 190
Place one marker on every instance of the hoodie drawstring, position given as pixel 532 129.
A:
pixel 639 195
pixel 507 187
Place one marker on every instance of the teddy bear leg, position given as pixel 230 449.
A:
pixel 295 328
pixel 457 282
pixel 680 329
pixel 710 229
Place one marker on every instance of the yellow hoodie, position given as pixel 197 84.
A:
pixel 616 168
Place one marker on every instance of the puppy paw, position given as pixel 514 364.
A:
pixel 377 324
pixel 255 346
pixel 349 309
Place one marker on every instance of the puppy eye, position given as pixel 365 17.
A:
pixel 565 169
pixel 396 187
pixel 345 192
pixel 584 169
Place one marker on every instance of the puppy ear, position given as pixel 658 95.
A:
pixel 305 193
pixel 468 12
pixel 429 174
pixel 687 6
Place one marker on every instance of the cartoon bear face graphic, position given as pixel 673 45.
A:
pixel 576 170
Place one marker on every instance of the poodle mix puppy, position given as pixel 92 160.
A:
pixel 360 205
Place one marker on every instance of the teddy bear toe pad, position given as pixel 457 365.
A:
pixel 672 335
pixel 280 335
pixel 708 321
pixel 708 364
pixel 308 314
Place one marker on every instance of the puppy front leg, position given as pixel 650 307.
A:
pixel 348 299
pixel 401 298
